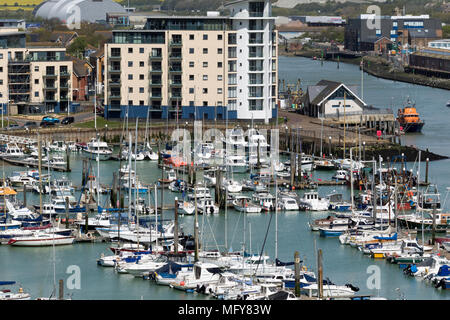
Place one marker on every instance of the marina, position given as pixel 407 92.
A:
pixel 257 243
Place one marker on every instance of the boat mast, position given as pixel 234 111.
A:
pixel 156 214
pixel 129 177
pixel 135 183
pixel 98 171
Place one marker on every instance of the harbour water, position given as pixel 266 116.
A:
pixel 33 267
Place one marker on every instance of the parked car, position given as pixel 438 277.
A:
pixel 68 120
pixel 50 119
pixel 13 126
pixel 30 124
pixel 47 124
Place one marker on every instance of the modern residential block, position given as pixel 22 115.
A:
pixel 202 67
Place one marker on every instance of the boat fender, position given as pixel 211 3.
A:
pixel 304 268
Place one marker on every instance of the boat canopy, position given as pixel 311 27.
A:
pixel 444 271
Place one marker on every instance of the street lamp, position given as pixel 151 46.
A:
pixel 329 145
pixel 364 150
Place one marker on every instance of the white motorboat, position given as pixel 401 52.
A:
pixel 11 151
pixel 7 294
pixel 313 202
pixel 186 207
pixel 340 175
pixel 288 204
pixel 236 163
pixel 98 148
pixel 199 193
pixel 201 274
pixel 244 204
pixel 207 206
pixel 265 200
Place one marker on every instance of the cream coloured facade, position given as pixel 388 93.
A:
pixel 33 79
pixel 211 67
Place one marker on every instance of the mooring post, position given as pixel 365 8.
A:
pixel 320 273
pixel 61 289
pixel 25 195
pixel 67 212
pixel 175 235
pixel 297 273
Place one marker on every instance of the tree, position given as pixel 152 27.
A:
pixel 77 47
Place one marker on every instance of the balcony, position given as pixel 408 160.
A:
pixel 256 14
pixel 50 76
pixel 49 99
pixel 175 56
pixel 156 70
pixel 64 85
pixel 155 57
pixel 155 95
pixel 175 69
pixel 155 83
pixel 175 43
pixel 114 70
pixel 114 82
pixel 175 82
pixel 64 74
pixel 114 95
pixel 114 56
pixel 64 98
pixel 50 87
pixel 175 95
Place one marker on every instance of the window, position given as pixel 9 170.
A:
pixel 141 102
pixel 141 77
pixel 191 64
pixel 219 51
pixel 219 77
pixel 205 37
pixel 205 50
pixel 130 50
pixel 141 64
pixel 130 77
pixel 205 64
pixel 219 90
pixel 205 90
pixel 219 64
pixel 205 103
pixel 1 55
pixel 130 64
pixel 130 90
pixel 130 102
pixel 191 103
pixel 205 77
pixel 141 50
pixel 36 81
pixel 141 90
pixel 219 37
pixel 36 69
pixel 191 90
pixel 232 92
pixel 36 93
pixel 191 50
pixel 191 77
pixel 191 37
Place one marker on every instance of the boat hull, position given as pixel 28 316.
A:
pixel 36 242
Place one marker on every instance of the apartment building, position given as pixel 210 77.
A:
pixel 202 67
pixel 32 79
pixel 365 32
